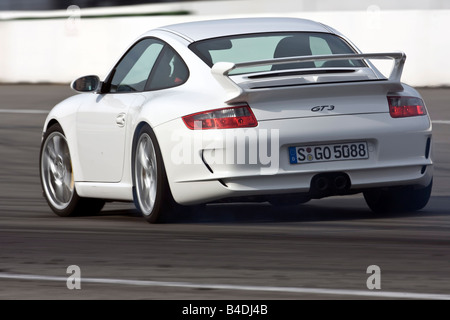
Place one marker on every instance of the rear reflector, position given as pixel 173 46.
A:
pixel 226 118
pixel 401 107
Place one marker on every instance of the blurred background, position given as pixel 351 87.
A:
pixel 318 4
pixel 55 41
pixel 62 4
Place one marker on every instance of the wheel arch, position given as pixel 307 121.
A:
pixel 138 128
pixel 69 132
pixel 136 131
pixel 51 123
pixel 164 199
pixel 135 135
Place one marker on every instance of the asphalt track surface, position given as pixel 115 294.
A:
pixel 320 250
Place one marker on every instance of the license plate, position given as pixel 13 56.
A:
pixel 329 152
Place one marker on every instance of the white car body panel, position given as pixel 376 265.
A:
pixel 102 150
pixel 101 140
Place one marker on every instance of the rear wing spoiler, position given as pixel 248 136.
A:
pixel 221 70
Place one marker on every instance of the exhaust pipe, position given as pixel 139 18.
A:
pixel 341 182
pixel 327 184
pixel 322 183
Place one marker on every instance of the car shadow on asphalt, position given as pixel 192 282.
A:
pixel 330 209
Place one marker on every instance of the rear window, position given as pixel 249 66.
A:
pixel 256 47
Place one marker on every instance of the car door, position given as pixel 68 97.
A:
pixel 102 120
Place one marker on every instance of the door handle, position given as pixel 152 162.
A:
pixel 120 120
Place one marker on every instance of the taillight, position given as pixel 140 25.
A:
pixel 400 107
pixel 226 118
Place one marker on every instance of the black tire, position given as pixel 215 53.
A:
pixel 57 181
pixel 151 191
pixel 406 199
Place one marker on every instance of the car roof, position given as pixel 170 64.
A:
pixel 200 30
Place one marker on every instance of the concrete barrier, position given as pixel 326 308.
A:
pixel 58 47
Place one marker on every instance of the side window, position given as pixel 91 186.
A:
pixel 132 72
pixel 170 71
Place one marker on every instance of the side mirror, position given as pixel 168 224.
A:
pixel 86 84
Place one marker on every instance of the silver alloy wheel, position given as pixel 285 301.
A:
pixel 146 174
pixel 56 171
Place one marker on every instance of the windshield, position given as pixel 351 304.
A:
pixel 256 47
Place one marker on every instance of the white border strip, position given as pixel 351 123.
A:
pixel 361 293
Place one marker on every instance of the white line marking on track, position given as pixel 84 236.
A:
pixel 441 121
pixel 361 293
pixel 24 111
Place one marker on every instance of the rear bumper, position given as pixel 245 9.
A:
pixel 206 166
pixel 360 179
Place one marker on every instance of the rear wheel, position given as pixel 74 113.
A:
pixel 57 178
pixel 151 191
pixel 398 199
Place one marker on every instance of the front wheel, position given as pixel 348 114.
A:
pixel 398 199
pixel 57 178
pixel 151 191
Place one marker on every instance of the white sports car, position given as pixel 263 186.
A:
pixel 282 110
